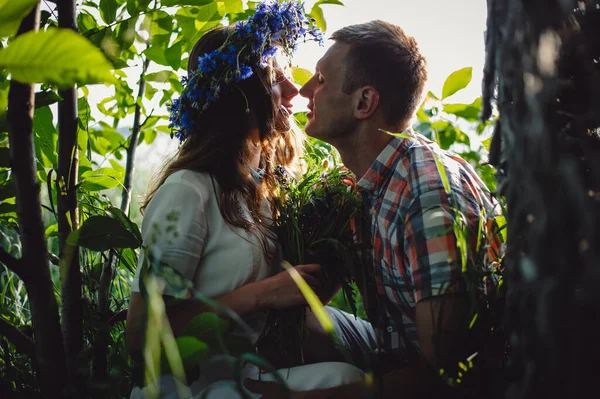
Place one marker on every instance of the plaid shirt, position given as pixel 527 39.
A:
pixel 414 250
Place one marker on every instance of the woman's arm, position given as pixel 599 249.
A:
pixel 275 292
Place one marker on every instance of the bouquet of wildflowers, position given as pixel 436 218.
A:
pixel 315 224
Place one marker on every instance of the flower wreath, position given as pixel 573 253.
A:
pixel 253 41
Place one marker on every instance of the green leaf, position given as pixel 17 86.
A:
pixel 487 143
pixel 86 23
pixel 317 13
pixel 100 233
pixel 157 54
pixel 52 230
pixel 205 326
pixel 457 80
pixel 55 56
pixel 125 221
pixel 469 112
pixel 108 10
pixel 4 157
pixel 339 3
pixel 150 92
pixel 192 350
pixel 301 75
pixel 194 22
pixel 172 3
pixel 11 14
pixel 44 98
pixel 422 116
pixel 173 56
pixel 160 77
pixel 126 33
pixel 101 179
pixel 47 137
pixel 234 6
pixel 135 6
pixel 149 136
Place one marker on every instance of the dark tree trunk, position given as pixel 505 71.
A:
pixel 68 212
pixel 34 267
pixel 544 60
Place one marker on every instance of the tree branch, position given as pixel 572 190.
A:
pixel 22 342
pixel 133 142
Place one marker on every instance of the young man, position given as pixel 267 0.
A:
pixel 370 83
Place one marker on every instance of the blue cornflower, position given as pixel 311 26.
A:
pixel 246 72
pixel 187 122
pixel 207 62
pixel 251 41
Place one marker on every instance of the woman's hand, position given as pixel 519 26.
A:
pixel 280 291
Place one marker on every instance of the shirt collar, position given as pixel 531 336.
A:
pixel 384 165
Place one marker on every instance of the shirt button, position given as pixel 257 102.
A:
pixel 390 329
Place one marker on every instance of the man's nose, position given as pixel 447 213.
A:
pixel 306 91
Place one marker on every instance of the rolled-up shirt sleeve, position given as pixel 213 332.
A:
pixel 430 246
pixel 175 229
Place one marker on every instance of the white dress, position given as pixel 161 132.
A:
pixel 183 226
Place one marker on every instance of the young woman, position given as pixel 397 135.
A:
pixel 209 215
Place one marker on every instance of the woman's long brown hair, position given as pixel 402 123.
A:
pixel 219 144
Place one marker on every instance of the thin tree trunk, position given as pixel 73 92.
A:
pixel 49 350
pixel 135 134
pixel 100 359
pixel 68 212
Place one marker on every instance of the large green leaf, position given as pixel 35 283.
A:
pixel 469 112
pixel 457 80
pixel 195 21
pixel 160 76
pixel 192 350
pixel 301 75
pixel 125 221
pixel 55 56
pixel 46 137
pixel 205 326
pixel 317 14
pixel 135 6
pixel 173 56
pixel 44 98
pixel 101 179
pixel 11 14
pixel 100 233
pixel 234 6
pixel 108 10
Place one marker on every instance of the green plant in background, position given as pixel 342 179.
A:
pixel 456 126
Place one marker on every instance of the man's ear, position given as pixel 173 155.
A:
pixel 367 102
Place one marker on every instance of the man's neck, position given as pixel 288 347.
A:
pixel 360 151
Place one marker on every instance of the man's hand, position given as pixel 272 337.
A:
pixel 280 291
